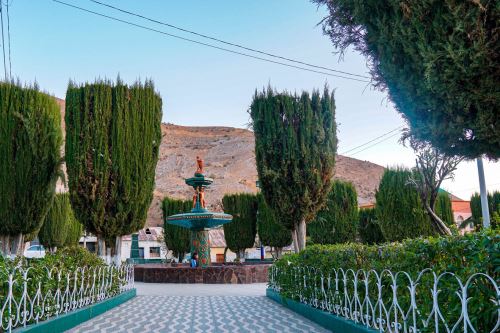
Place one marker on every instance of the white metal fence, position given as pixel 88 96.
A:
pixel 396 301
pixel 30 295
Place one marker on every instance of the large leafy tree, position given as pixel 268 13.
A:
pixel 271 232
pixel 337 222
pixel 240 233
pixel 60 227
pixel 177 239
pixel 113 137
pixel 399 210
pixel 30 160
pixel 432 168
pixel 438 60
pixel 295 146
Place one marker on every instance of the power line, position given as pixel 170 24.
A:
pixel 376 143
pixel 374 139
pixel 8 34
pixel 205 44
pixel 225 42
pixel 3 42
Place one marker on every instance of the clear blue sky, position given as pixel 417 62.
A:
pixel 52 43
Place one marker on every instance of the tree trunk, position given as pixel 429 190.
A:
pixel 54 249
pixel 241 255
pixel 225 253
pixel 118 251
pixel 108 255
pixel 7 246
pixel 101 247
pixel 295 241
pixel 439 225
pixel 301 234
pixel 16 245
pixel 279 252
pixel 2 245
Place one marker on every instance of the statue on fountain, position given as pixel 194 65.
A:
pixel 199 163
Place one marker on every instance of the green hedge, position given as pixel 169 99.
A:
pixel 461 255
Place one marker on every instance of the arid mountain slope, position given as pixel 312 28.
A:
pixel 230 160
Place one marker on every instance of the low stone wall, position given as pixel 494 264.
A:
pixel 231 274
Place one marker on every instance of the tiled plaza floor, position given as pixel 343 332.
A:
pixel 167 313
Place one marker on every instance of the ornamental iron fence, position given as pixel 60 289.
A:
pixel 396 301
pixel 29 295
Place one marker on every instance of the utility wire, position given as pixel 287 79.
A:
pixel 8 34
pixel 3 42
pixel 204 44
pixel 225 42
pixel 376 143
pixel 374 139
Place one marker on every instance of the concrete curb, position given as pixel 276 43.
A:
pixel 69 320
pixel 327 320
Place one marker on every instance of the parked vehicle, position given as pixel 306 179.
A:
pixel 35 251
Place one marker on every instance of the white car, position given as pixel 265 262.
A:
pixel 35 251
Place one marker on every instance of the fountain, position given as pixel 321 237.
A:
pixel 200 219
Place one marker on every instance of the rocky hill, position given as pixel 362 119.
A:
pixel 230 160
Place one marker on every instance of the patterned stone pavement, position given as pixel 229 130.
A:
pixel 216 314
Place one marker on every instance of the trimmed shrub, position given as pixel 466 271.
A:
pixel 113 135
pixel 461 255
pixel 295 146
pixel 177 239
pixel 271 232
pixel 57 222
pixel 399 211
pixel 337 222
pixel 369 229
pixel 30 157
pixel 240 233
pixel 493 206
pixel 442 209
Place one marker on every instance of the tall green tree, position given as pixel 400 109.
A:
pixel 30 161
pixel 55 225
pixel 443 209
pixel 74 231
pixel 177 239
pixel 240 233
pixel 438 60
pixel 271 232
pixel 493 207
pixel 399 209
pixel 113 137
pixel 369 229
pixel 337 222
pixel 295 146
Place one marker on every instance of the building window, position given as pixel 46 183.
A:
pixel 154 252
pixel 148 232
pixel 141 252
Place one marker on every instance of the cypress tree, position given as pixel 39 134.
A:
pixel 369 229
pixel 399 210
pixel 113 136
pixel 295 146
pixel 30 159
pixel 55 225
pixel 493 207
pixel 271 232
pixel 177 239
pixel 240 233
pixel 74 230
pixel 337 222
pixel 438 60
pixel 443 208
